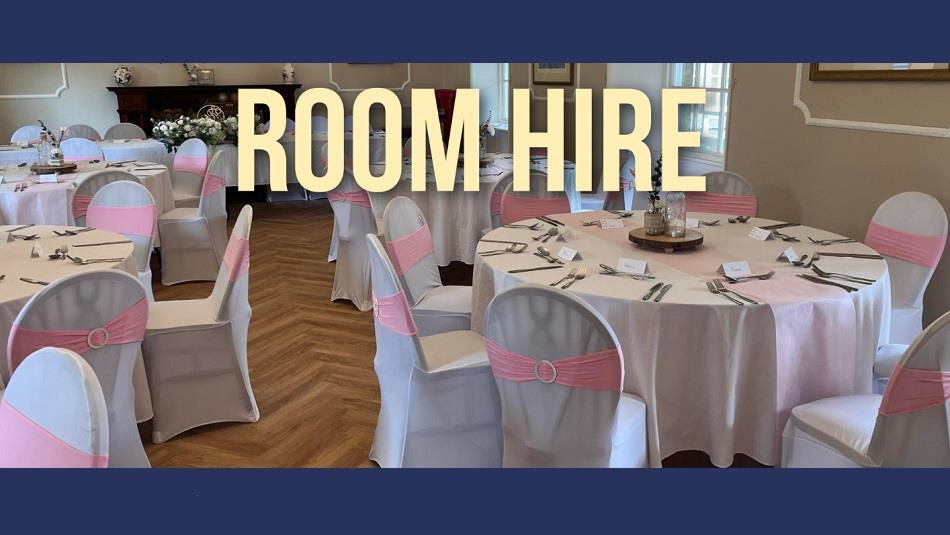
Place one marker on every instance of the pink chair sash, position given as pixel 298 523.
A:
pixel 357 197
pixel 516 208
pixel 127 327
pixel 135 220
pixel 26 444
pixel 410 249
pixel 82 158
pixel 237 257
pixel 912 390
pixel 190 164
pixel 719 203
pixel 600 370
pixel 495 206
pixel 211 184
pixel 81 205
pixel 914 248
pixel 393 313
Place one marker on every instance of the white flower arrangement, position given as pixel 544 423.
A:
pixel 486 129
pixel 212 131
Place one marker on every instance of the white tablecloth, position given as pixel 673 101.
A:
pixel 51 204
pixel 377 153
pixel 15 262
pixel 717 377
pixel 148 150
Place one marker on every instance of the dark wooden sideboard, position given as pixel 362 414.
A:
pixel 141 104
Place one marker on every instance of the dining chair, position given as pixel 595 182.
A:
pixel 295 192
pixel 439 406
pixel 125 131
pixel 54 414
pixel 79 149
pixel 318 123
pixel 128 208
pixel 188 171
pixel 196 350
pixel 910 231
pixel 435 308
pixel 520 205
pixel 194 240
pixel 726 193
pixel 906 427
pixel 26 134
pixel 81 131
pixel 353 219
pixel 100 315
pixel 494 206
pixel 87 187
pixel 289 128
pixel 559 372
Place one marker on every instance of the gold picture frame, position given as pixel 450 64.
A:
pixel 873 72
pixel 205 77
pixel 552 73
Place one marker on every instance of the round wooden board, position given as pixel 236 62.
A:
pixel 666 243
pixel 44 169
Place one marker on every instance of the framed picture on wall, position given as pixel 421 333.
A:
pixel 553 73
pixel 205 77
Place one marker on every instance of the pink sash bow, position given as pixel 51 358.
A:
pixel 911 390
pixel 407 251
pixel 392 312
pixel 914 248
pixel 190 164
pixel 82 158
pixel 357 197
pixel 127 327
pixel 134 220
pixel 719 203
pixel 515 208
pixel 237 257
pixel 81 205
pixel 211 184
pixel 26 444
pixel 495 205
pixel 600 370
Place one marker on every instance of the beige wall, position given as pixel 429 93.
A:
pixel 835 178
pixel 87 100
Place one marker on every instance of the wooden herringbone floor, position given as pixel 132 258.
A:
pixel 310 360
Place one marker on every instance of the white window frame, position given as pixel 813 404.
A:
pixel 699 153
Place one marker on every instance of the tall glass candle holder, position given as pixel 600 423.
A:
pixel 676 214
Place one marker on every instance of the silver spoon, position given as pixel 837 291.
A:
pixel 544 253
pixel 552 232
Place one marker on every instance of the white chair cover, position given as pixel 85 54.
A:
pixel 549 423
pixel 135 199
pixel 907 427
pixel 89 186
pixel 289 128
pixel 89 301
pixel 915 213
pixel 513 206
pixel 728 183
pixel 435 308
pixel 188 171
pixel 196 351
pixel 623 199
pixel 81 131
pixel 353 219
pixel 125 131
pixel 318 124
pixel 26 134
pixel 495 204
pixel 439 405
pixel 54 415
pixel 79 149
pixel 194 239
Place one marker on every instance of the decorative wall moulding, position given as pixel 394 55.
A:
pixel 63 85
pixel 889 128
pixel 358 89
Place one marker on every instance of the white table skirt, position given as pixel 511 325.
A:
pixel 717 377
pixel 51 204
pixel 146 150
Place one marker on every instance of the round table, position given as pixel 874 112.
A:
pixel 51 204
pixel 116 149
pixel 717 377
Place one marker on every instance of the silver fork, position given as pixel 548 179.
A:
pixel 722 288
pixel 570 275
pixel 581 273
pixel 851 278
pixel 713 289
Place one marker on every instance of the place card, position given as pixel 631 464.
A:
pixel 611 223
pixel 789 254
pixel 735 269
pixel 48 178
pixel 565 234
pixel 634 267
pixel 692 222
pixel 567 254
pixel 37 251
pixel 760 234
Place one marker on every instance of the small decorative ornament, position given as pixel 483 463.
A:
pixel 191 69
pixel 122 75
pixel 287 73
pixel 654 219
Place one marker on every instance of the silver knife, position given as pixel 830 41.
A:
pixel 101 243
pixel 652 291
pixel 662 293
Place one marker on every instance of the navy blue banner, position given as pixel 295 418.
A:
pixel 431 31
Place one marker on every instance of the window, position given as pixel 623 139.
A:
pixel 711 119
pixel 492 81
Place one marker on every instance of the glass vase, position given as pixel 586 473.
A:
pixel 676 214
